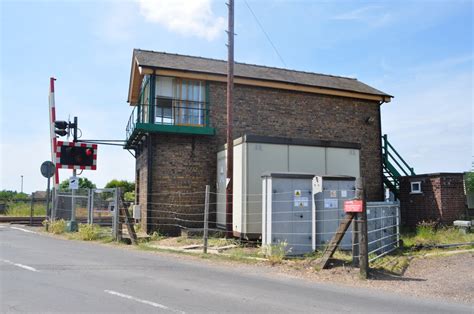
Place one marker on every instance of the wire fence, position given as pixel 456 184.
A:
pixel 301 227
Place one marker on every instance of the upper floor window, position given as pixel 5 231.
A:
pixel 415 187
pixel 180 101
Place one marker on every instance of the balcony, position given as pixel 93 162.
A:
pixel 168 115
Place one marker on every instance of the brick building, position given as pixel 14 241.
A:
pixel 178 123
pixel 432 197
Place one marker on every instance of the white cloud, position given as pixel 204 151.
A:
pixel 371 15
pixel 190 18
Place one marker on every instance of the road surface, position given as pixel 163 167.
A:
pixel 44 274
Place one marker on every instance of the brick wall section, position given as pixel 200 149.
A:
pixel 442 199
pixel 185 163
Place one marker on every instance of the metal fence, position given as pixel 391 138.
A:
pixel 383 228
pixel 89 206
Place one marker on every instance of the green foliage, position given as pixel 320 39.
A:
pixel 426 229
pixel 23 209
pixel 156 236
pixel 7 195
pixel 125 185
pixel 275 252
pixel 57 226
pixel 427 234
pixel 84 183
pixel 89 232
pixel 129 196
pixel 470 181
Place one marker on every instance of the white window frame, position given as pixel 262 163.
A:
pixel 415 191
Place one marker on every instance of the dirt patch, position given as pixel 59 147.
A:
pixel 448 277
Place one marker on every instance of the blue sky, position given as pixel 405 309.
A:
pixel 419 51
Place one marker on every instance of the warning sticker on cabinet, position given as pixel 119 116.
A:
pixel 333 193
pixel 330 203
pixel 301 201
pixel 343 193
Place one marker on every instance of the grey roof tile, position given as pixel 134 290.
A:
pixel 146 58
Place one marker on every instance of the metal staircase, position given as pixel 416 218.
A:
pixel 394 166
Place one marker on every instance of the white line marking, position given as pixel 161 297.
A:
pixel 20 265
pixel 24 230
pixel 154 304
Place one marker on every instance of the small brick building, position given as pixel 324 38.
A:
pixel 432 197
pixel 178 124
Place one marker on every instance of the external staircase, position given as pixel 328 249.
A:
pixel 394 167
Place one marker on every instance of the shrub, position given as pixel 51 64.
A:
pixel 276 252
pixel 57 226
pixel 89 232
pixel 426 229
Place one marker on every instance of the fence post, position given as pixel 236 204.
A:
pixel 363 241
pixel 31 209
pixel 206 219
pixel 115 218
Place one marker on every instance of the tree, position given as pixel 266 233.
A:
pixel 84 183
pixel 125 185
pixel 470 181
pixel 7 195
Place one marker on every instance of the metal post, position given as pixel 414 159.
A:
pixel 48 210
pixel 31 209
pixel 115 219
pixel 54 204
pixel 230 143
pixel 398 223
pixel 363 243
pixel 73 204
pixel 21 189
pixel 89 192
pixel 206 219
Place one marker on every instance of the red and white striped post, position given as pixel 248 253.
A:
pixel 52 118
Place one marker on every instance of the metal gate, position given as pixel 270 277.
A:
pixel 92 206
pixel 383 228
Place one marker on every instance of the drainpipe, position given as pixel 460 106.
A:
pixel 149 184
pixel 380 143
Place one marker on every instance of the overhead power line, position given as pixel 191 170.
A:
pixel 266 34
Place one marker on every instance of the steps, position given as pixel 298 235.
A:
pixel 394 167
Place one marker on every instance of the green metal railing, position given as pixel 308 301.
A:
pixel 394 166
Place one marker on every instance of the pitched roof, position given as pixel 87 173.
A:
pixel 162 60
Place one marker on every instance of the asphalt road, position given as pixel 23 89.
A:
pixel 44 274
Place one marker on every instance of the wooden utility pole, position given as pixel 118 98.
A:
pixel 230 140
pixel 362 221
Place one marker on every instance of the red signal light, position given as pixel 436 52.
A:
pixel 89 152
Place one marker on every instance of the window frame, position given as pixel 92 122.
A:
pixel 415 191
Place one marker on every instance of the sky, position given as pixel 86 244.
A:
pixel 419 51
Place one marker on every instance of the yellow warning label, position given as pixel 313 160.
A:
pixel 297 192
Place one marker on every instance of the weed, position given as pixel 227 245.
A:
pixel 23 209
pixel 275 252
pixel 156 236
pixel 89 232
pixel 57 226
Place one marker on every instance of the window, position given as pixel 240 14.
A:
pixel 415 187
pixel 180 101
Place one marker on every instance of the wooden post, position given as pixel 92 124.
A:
pixel 206 219
pixel 363 241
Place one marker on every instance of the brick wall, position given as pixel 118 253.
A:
pixel 442 199
pixel 185 163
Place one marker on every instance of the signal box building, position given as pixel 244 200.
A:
pixel 178 127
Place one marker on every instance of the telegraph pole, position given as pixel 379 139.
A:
pixel 230 140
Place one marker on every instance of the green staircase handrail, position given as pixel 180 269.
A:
pixel 386 145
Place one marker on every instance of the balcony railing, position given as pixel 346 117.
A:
pixel 170 115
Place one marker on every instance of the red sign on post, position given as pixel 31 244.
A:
pixel 354 206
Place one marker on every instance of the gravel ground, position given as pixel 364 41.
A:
pixel 447 277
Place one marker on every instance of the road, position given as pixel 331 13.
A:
pixel 44 274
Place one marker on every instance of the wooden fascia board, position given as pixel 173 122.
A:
pixel 262 83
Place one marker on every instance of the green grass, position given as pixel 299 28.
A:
pixel 429 235
pixel 23 209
